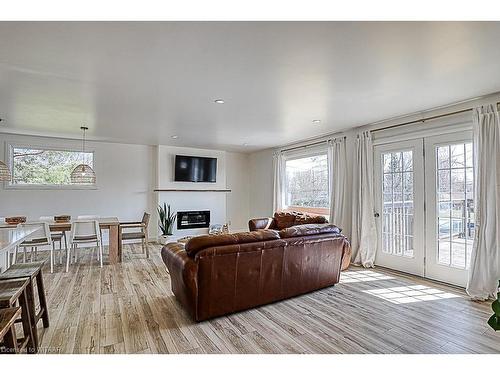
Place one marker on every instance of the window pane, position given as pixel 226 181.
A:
pixel 443 183
pixel 46 167
pixel 444 249
pixel 443 157
pixel 458 254
pixel 455 180
pixel 458 209
pixel 387 163
pixel 407 161
pixel 469 181
pixel 468 155
pixel 457 156
pixel 444 209
pixel 307 182
pixel 397 160
pixel 387 183
pixel 397 182
pixel 408 186
pixel 397 228
pixel 444 228
pixel 457 229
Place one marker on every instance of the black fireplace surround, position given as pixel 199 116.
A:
pixel 193 219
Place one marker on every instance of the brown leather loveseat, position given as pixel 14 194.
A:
pixel 222 274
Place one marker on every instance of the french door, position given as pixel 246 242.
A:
pixel 450 220
pixel 424 193
pixel 399 191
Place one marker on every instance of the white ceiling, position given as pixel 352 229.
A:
pixel 142 82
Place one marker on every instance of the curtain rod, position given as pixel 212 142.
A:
pixel 426 119
pixel 309 144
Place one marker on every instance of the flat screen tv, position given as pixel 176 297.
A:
pixel 195 169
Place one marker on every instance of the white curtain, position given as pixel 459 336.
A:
pixel 337 165
pixel 484 271
pixel 278 181
pixel 364 233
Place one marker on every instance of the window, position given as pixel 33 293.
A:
pixel 306 184
pixel 38 166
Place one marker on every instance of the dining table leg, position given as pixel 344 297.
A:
pixel 114 244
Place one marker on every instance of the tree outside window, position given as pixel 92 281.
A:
pixel 306 187
pixel 38 166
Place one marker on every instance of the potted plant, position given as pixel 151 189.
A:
pixel 165 222
pixel 494 320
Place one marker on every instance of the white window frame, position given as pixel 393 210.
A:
pixel 301 154
pixel 9 148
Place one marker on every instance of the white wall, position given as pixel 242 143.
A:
pixel 261 186
pixel 124 183
pixel 238 180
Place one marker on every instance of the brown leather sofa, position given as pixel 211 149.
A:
pixel 222 274
pixel 282 220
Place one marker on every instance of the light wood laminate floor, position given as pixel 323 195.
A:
pixel 129 308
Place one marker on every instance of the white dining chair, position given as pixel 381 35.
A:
pixel 84 232
pixel 90 217
pixel 41 237
pixel 57 236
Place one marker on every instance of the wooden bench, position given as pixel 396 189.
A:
pixel 33 271
pixel 17 291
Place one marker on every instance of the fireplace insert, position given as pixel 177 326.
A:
pixel 193 219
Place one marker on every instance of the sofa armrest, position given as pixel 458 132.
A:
pixel 261 223
pixel 183 275
pixel 346 255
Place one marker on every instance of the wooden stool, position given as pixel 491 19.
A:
pixel 32 271
pixel 17 290
pixel 8 330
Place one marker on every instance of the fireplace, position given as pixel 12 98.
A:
pixel 193 219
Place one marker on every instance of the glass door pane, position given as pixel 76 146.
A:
pixel 397 187
pixel 455 197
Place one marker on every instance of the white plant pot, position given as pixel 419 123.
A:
pixel 164 239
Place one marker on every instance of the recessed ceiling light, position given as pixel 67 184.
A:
pixel 174 136
pixel 219 101
pixel 316 121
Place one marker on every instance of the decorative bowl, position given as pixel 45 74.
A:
pixel 62 218
pixel 14 220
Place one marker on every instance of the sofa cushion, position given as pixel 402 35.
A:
pixel 308 230
pixel 199 243
pixel 287 219
pixel 302 218
pixel 284 219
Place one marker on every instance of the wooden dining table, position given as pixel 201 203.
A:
pixel 112 224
